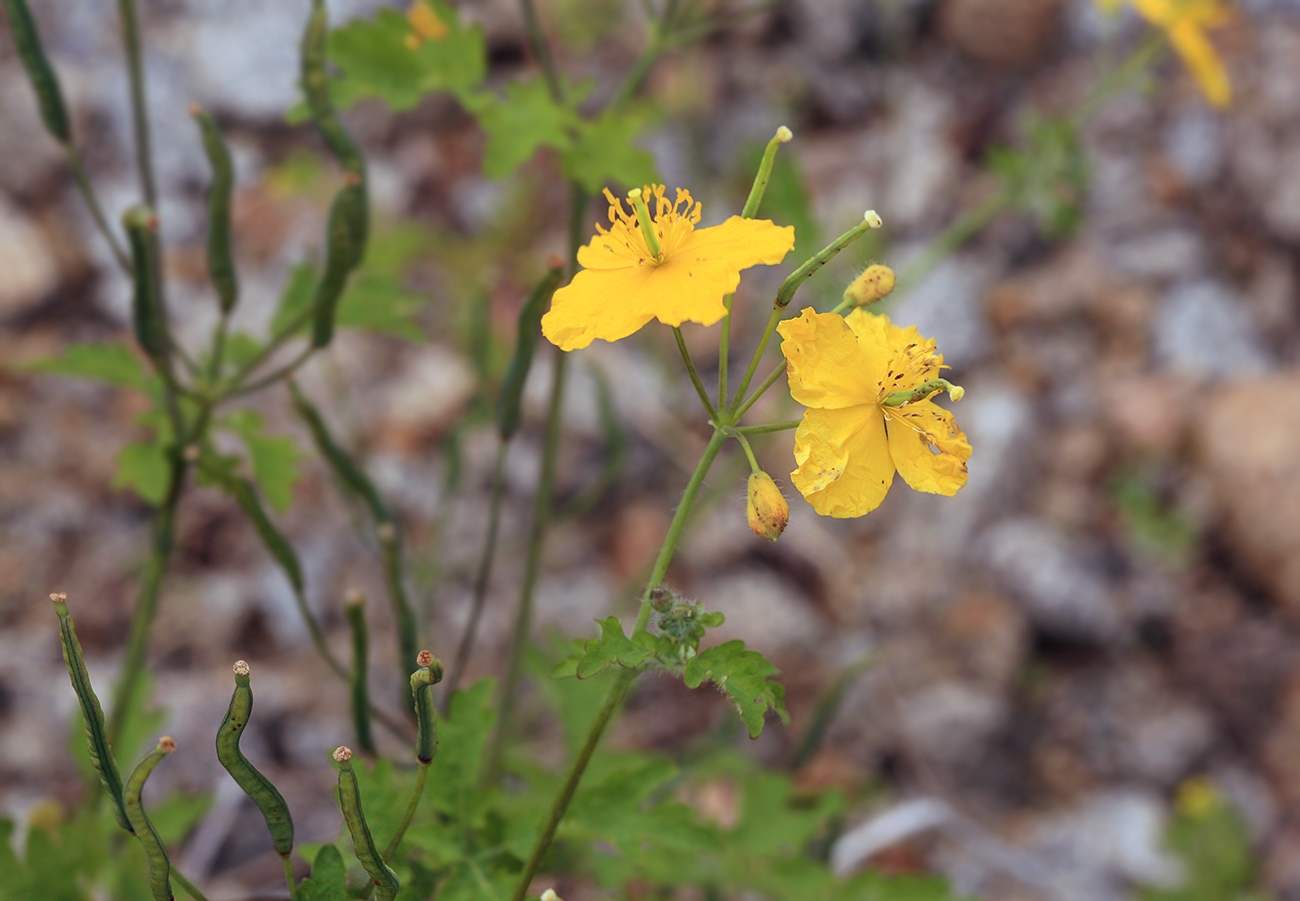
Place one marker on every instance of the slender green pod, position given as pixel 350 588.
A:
pixel 283 553
pixel 355 609
pixel 160 868
pixel 385 880
pixel 792 281
pixel 147 314
pixel 268 800
pixel 315 85
pixel 101 752
pixel 345 470
pixel 49 96
pixel 221 260
pixel 276 544
pixel 528 332
pixel 343 251
pixel 429 674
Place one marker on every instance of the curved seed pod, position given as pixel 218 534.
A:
pixel 342 252
pixel 429 673
pixel 345 470
pixel 355 609
pixel 269 801
pixel 160 868
pixel 315 85
pixel 101 753
pixel 44 81
pixel 146 275
pixel 385 880
pixel 529 330
pixel 221 263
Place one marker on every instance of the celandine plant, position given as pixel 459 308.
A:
pixel 460 817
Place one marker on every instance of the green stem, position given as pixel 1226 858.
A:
pixel 96 211
pixel 768 382
pixel 613 700
pixel 693 373
pixel 724 351
pixel 770 427
pixel 421 774
pixel 197 895
pixel 483 576
pixel 623 681
pixel 532 569
pixel 744 445
pixel 139 110
pixel 542 50
pixel 754 361
pixel 146 607
pixel 289 879
pixel 283 372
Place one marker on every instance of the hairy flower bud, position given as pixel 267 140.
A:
pixel 875 283
pixel 765 508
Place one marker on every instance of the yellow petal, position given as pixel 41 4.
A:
pixel 1203 62
pixel 910 360
pixel 844 464
pixel 912 431
pixel 827 364
pixel 740 242
pixel 597 304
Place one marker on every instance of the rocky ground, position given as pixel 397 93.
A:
pixel 1109 608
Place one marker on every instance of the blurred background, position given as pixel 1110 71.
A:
pixel 1040 683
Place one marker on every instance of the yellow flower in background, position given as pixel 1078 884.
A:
pixel 1185 22
pixel 867 384
pixel 623 285
pixel 426 25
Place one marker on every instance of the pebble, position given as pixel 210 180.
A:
pixel 31 271
pixel 1202 328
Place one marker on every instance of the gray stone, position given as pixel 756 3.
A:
pixel 1202 328
pixel 947 306
pixel 1044 570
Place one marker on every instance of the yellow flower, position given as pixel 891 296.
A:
pixel 853 374
pixel 425 23
pixel 1184 22
pixel 623 285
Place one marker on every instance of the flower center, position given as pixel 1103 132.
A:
pixel 669 225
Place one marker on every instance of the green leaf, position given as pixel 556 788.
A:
pixel 376 60
pixel 296 299
pixel 613 648
pixel 526 119
pixel 379 304
pixel 143 468
pixel 743 675
pixel 113 364
pixel 241 348
pixel 603 152
pixel 327 881
pixel 274 458
pixel 462 744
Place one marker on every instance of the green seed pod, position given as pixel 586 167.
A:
pixel 355 609
pixel 221 263
pixel 269 801
pixel 101 753
pixel 147 312
pixel 276 544
pixel 429 673
pixel 385 880
pixel 49 96
pixel 342 253
pixel 346 471
pixel 529 331
pixel 160 868
pixel 315 85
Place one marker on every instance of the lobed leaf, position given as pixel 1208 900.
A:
pixel 743 675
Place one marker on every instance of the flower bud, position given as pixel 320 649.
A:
pixel 765 507
pixel 873 284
